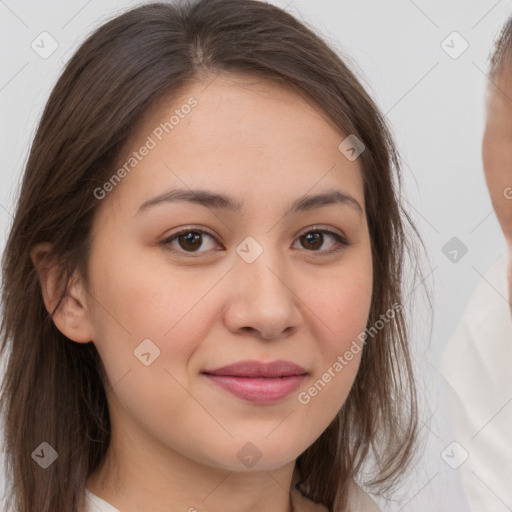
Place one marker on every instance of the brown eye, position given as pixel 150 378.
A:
pixel 314 239
pixel 188 241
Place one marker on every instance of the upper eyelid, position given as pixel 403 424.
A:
pixel 315 227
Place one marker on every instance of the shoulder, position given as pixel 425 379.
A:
pixel 360 501
pixel 480 341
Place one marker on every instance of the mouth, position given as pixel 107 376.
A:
pixel 258 382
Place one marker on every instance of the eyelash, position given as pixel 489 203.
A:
pixel 341 241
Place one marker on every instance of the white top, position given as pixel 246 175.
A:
pixel 94 503
pixel 477 366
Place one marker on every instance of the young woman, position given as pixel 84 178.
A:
pixel 203 301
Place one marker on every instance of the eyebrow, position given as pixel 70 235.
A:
pixel 220 201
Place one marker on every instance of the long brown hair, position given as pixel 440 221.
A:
pixel 53 389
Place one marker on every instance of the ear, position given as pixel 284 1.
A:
pixel 72 316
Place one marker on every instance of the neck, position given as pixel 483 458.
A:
pixel 136 476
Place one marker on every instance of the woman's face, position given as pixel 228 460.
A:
pixel 258 283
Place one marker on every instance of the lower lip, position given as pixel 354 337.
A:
pixel 258 389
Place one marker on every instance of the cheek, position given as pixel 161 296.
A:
pixel 141 296
pixel 146 314
pixel 342 304
pixel 346 304
pixel 342 309
pixel 175 311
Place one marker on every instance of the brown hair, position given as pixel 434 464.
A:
pixel 54 388
pixel 501 52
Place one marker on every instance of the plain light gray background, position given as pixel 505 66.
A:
pixel 434 104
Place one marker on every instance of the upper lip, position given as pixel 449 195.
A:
pixel 259 369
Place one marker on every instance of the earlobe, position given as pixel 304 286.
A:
pixel 71 317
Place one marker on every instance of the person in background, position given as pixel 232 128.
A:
pixel 477 360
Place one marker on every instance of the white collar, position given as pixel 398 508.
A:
pixel 94 503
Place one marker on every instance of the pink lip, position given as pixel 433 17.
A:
pixel 258 382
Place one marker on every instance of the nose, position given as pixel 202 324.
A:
pixel 261 297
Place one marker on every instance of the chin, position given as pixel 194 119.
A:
pixel 250 456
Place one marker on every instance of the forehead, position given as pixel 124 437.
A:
pixel 245 134
pixel 258 105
